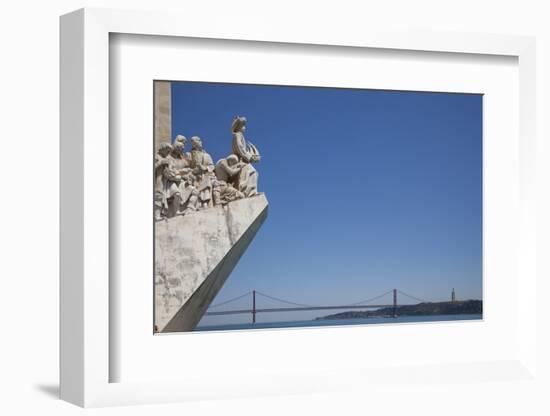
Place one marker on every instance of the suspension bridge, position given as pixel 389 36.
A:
pixel 295 307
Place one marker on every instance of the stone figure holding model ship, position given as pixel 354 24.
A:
pixel 247 181
pixel 187 182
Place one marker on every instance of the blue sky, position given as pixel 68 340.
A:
pixel 368 190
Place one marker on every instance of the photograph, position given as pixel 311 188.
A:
pixel 291 206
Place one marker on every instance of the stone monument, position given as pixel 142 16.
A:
pixel 206 215
pixel 163 112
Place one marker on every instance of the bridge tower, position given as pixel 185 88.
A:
pixel 453 296
pixel 253 306
pixel 395 303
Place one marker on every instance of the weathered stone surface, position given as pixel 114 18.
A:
pixel 194 255
pixel 163 112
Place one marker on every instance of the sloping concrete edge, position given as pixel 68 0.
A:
pixel 187 318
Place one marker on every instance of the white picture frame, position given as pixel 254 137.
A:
pixel 86 355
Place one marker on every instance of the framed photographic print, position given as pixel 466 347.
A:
pixel 377 194
pixel 243 215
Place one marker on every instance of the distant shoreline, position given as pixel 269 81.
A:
pixel 421 309
pixel 311 323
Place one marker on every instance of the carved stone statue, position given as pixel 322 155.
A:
pixel 203 171
pixel 167 195
pixel 227 172
pixel 181 165
pixel 246 152
pixel 194 254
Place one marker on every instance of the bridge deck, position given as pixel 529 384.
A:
pixel 294 309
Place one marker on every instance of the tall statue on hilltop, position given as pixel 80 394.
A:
pixel 247 153
pixel 203 171
pixel 181 165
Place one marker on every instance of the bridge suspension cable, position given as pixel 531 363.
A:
pixel 284 301
pixel 371 299
pixel 360 303
pixel 231 300
pixel 412 297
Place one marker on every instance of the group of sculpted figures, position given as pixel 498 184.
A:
pixel 189 181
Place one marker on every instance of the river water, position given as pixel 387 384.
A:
pixel 337 322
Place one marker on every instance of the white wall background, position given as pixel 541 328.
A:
pixel 29 56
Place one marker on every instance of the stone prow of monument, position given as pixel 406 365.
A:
pixel 194 256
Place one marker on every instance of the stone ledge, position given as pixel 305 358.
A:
pixel 194 255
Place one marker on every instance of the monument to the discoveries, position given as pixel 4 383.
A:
pixel 206 215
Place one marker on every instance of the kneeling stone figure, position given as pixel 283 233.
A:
pixel 227 173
